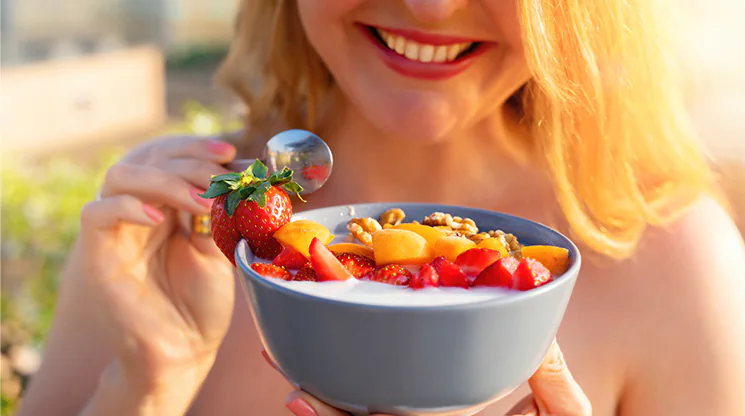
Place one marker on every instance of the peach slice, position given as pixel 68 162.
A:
pixel 494 244
pixel 555 259
pixel 451 247
pixel 353 248
pixel 430 234
pixel 400 247
pixel 298 235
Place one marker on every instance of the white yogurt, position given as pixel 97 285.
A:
pixel 374 293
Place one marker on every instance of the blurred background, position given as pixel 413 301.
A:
pixel 82 81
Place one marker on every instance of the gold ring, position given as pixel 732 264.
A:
pixel 201 224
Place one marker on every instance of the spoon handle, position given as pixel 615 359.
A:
pixel 239 165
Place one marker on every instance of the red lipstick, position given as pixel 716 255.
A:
pixel 416 69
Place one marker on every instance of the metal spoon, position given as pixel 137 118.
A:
pixel 302 151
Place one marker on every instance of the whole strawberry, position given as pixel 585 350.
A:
pixel 253 206
pixel 224 234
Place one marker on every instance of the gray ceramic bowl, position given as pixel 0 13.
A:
pixel 444 360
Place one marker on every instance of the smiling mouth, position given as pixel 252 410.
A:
pixel 413 50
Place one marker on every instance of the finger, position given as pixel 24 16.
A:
pixel 108 213
pixel 301 403
pixel 154 186
pixel 196 172
pixel 202 148
pixel 555 390
pixel 525 407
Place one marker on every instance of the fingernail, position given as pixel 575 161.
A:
pixel 300 407
pixel 154 213
pixel 268 360
pixel 202 201
pixel 218 147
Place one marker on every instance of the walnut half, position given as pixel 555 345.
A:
pixel 392 217
pixel 362 229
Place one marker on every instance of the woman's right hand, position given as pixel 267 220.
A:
pixel 166 295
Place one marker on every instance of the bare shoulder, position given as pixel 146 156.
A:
pixel 685 304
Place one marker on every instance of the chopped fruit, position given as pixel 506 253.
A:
pixel 358 249
pixel 494 244
pixel 326 265
pixel 298 234
pixel 400 247
pixel 289 258
pixel 498 274
pixel 356 265
pixel 449 273
pixel 451 247
pixel 475 260
pixel 270 270
pixel 430 234
pixel 555 259
pixel 265 249
pixel 256 207
pixel 306 274
pixel 224 234
pixel 392 274
pixel 530 274
pixel 427 277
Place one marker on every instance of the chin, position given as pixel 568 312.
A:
pixel 427 120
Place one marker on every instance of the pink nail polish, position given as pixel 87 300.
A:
pixel 300 407
pixel 154 213
pixel 202 201
pixel 218 147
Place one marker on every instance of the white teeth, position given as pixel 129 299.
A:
pixel 426 53
pixel 391 42
pixel 441 54
pixel 412 50
pixel 422 52
pixel 400 45
pixel 453 51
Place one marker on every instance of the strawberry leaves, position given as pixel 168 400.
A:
pixel 250 185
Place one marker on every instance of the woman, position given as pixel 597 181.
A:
pixel 560 111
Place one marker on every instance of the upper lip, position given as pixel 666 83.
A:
pixel 427 37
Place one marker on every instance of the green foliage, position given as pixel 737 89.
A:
pixel 41 203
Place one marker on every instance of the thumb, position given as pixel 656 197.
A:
pixel 555 390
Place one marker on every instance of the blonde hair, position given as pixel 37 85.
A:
pixel 604 106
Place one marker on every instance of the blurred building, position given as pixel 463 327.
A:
pixel 80 70
pixel 46 29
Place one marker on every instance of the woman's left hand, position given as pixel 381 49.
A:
pixel 555 393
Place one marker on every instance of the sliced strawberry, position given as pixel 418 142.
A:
pixel 392 274
pixel 530 274
pixel 266 249
pixel 356 264
pixel 426 277
pixel 289 258
pixel 475 260
pixel 498 274
pixel 270 270
pixel 326 265
pixel 449 273
pixel 306 274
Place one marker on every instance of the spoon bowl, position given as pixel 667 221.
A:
pixel 302 151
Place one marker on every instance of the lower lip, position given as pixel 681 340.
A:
pixel 414 69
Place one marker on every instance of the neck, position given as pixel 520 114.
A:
pixel 469 168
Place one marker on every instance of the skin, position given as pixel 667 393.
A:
pixel 137 333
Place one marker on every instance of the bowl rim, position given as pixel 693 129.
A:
pixel 567 278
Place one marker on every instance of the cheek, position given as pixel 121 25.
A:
pixel 504 14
